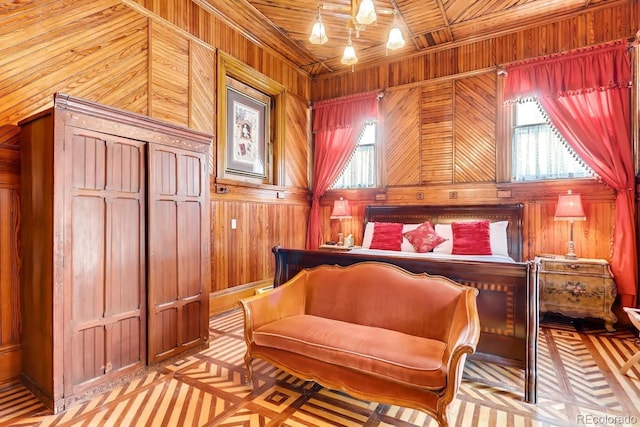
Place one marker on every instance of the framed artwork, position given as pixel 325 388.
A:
pixel 251 115
pixel 247 130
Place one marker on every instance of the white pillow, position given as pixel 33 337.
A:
pixel 497 238
pixel 444 231
pixel 368 235
pixel 406 245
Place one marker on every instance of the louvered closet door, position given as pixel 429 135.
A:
pixel 105 311
pixel 178 306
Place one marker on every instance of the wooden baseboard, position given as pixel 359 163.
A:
pixel 225 300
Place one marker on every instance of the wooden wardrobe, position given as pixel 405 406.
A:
pixel 115 247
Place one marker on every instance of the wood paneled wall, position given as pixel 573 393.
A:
pixel 245 252
pixel 157 58
pixel 441 124
pixel 455 153
pixel 192 18
pixel 243 255
pixel 9 253
pixel 613 21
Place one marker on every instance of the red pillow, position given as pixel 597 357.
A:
pixel 424 238
pixel 471 238
pixel 387 235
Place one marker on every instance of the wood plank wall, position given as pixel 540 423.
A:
pixel 157 58
pixel 442 125
pixel 610 21
pixel 9 253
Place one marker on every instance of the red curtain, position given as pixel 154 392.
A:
pixel 336 126
pixel 586 94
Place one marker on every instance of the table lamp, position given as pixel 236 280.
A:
pixel 341 210
pixel 570 209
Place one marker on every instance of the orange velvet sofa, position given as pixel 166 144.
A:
pixel 372 330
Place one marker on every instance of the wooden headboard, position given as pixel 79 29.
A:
pixel 415 214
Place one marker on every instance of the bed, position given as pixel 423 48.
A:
pixel 508 290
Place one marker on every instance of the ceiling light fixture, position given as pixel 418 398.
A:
pixel 363 13
pixel 395 40
pixel 318 32
pixel 349 56
pixel 366 13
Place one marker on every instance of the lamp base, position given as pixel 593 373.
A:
pixel 571 254
pixel 340 239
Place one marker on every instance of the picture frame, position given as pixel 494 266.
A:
pixel 247 134
pixel 265 101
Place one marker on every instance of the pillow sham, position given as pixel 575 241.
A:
pixel 368 234
pixel 406 245
pixel 423 238
pixel 387 236
pixel 471 238
pixel 497 237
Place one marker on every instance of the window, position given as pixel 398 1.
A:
pixel 360 172
pixel 539 152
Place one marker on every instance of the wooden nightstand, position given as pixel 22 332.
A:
pixel 335 248
pixel 577 288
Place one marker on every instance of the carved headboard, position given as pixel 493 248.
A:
pixel 415 214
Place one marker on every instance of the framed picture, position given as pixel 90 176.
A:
pixel 247 134
pixel 251 125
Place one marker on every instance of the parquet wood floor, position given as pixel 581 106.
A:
pixel 579 384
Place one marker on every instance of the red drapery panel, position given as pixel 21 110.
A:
pixel 586 94
pixel 336 125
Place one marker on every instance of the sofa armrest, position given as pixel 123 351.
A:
pixel 465 325
pixel 463 337
pixel 284 301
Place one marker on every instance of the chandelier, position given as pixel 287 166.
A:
pixel 363 13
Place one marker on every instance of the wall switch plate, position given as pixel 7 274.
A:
pixel 234 224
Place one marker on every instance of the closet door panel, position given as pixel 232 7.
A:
pixel 191 323
pixel 163 271
pixel 124 257
pixel 189 244
pixel 105 329
pixel 89 351
pixel 89 153
pixel 189 220
pixel 88 243
pixel 176 275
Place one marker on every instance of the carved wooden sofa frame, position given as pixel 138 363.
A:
pixel 342 326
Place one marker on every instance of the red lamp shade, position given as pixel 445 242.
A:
pixel 569 208
pixel 341 209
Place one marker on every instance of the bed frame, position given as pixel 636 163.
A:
pixel 508 292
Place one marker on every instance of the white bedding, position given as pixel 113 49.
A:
pixel 434 255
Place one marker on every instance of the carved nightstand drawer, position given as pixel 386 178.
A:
pixel 577 288
pixel 574 266
pixel 567 293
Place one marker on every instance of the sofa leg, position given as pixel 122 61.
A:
pixel 441 414
pixel 247 362
pixel 442 420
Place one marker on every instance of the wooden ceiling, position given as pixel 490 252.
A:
pixel 285 25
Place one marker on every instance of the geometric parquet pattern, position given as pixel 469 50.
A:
pixel 578 385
